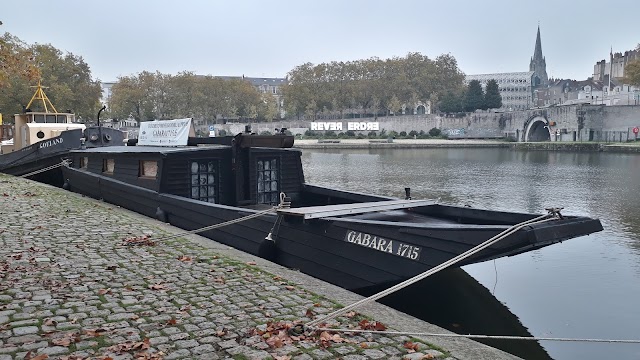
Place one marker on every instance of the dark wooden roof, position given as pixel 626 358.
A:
pixel 150 149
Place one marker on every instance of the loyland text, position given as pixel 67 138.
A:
pixel 337 126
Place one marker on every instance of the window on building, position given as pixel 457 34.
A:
pixel 268 181
pixel 204 183
pixel 108 165
pixel 148 169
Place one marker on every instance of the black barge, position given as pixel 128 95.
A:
pixel 350 239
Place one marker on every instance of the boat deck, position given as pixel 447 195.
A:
pixel 316 212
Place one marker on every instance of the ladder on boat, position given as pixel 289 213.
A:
pixel 316 212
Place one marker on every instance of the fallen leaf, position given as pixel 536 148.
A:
pixel 251 263
pixel 138 240
pixel 375 325
pixel 64 341
pixel 411 346
pixel 95 332
pixel 185 258
pixel 157 287
pixel 104 291
pixel 351 314
pixel 28 356
pixel 364 345
pixel 427 356
pixel 378 326
pixel 289 287
pixel 172 321
pixel 310 314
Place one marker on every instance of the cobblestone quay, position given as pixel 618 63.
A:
pixel 73 287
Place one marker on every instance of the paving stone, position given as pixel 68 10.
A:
pixel 178 354
pixel 203 349
pixel 6 349
pixel 54 350
pixel 23 339
pixel 36 345
pixel 24 322
pixel 120 316
pixel 184 344
pixel 158 340
pixel 179 336
pixel 374 354
pixel 302 357
pixel 344 350
pixel 321 354
pixel 355 357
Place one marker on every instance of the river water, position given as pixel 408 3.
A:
pixel 587 287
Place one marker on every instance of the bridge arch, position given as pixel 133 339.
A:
pixel 537 129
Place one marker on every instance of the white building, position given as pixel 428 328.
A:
pixel 515 88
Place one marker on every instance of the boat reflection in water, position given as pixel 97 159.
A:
pixel 454 300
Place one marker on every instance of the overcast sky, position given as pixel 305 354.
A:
pixel 269 38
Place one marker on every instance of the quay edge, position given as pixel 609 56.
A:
pixel 29 193
pixel 472 144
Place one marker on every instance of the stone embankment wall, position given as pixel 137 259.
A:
pixel 566 123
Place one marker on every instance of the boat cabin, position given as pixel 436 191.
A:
pixel 233 171
pixel 31 127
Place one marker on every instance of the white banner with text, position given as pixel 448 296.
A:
pixel 165 132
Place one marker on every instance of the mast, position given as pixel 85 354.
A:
pixel 40 95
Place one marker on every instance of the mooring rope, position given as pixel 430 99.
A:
pixel 553 214
pixel 471 336
pixel 283 204
pixel 219 225
pixel 65 162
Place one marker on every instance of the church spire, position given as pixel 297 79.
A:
pixel 538 64
pixel 537 53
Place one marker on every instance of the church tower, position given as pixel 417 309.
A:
pixel 538 64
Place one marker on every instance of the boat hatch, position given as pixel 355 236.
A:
pixel 316 212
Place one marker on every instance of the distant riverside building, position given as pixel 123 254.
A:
pixel 615 66
pixel 106 92
pixel 601 89
pixel 515 88
pixel 518 88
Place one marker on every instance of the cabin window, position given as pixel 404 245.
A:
pixel 108 165
pixel 268 181
pixel 148 168
pixel 204 183
pixel 84 162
